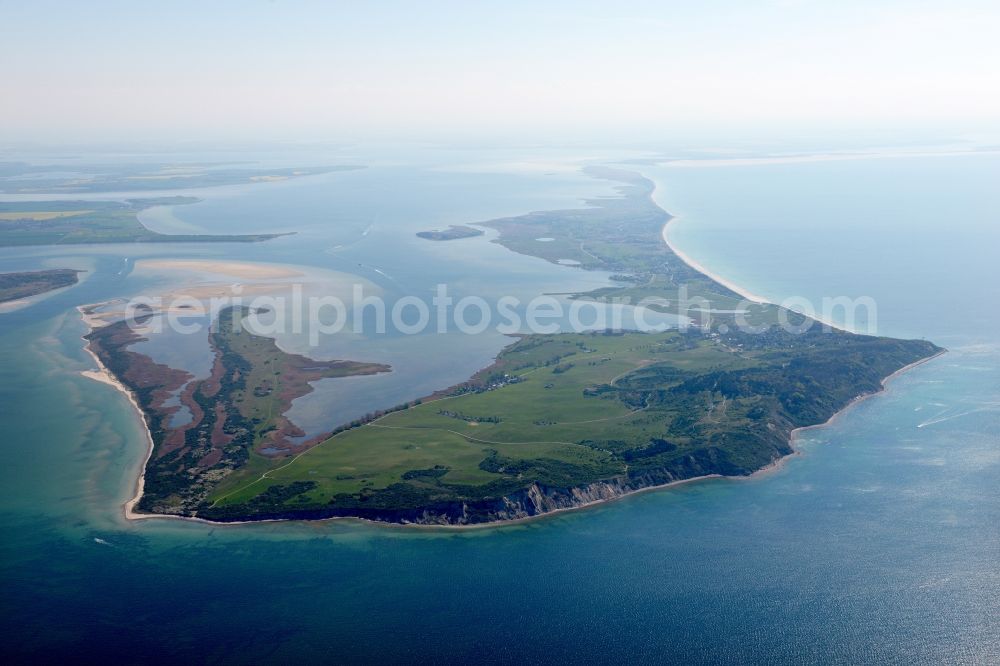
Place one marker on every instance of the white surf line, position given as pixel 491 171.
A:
pixel 952 416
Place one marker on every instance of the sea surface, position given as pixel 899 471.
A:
pixel 879 543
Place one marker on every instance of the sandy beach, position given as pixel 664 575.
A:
pixel 10 306
pixel 104 376
pixel 732 286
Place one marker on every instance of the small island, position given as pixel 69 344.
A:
pixel 15 286
pixel 454 232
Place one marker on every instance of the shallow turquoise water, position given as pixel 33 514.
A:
pixel 880 543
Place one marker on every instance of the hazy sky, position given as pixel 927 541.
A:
pixel 284 69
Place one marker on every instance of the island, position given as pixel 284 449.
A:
pixel 15 286
pixel 75 222
pixel 557 422
pixel 454 232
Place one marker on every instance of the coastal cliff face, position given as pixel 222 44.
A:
pixel 538 500
pixel 535 500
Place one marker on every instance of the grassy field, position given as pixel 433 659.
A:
pixel 542 400
pixel 541 413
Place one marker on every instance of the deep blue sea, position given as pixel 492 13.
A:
pixel 880 543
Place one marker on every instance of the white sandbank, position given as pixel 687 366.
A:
pixel 235 269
